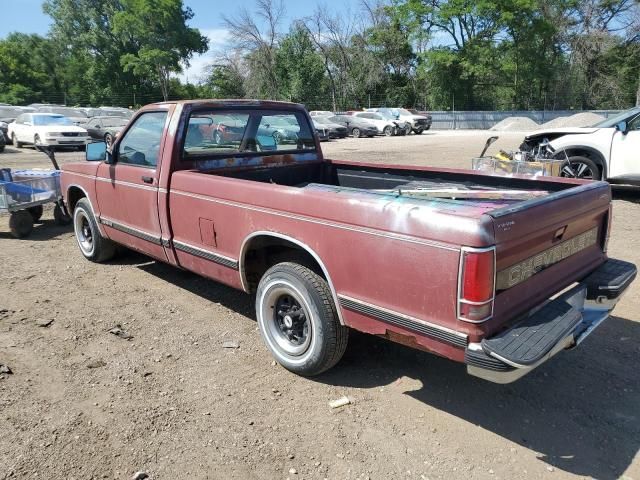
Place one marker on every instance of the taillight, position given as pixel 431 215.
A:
pixel 605 245
pixel 476 285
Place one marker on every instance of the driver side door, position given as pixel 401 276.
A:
pixel 127 187
pixel 625 153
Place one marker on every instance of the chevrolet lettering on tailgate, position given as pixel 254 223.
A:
pixel 519 272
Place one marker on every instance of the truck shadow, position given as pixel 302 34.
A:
pixel 579 412
pixel 626 193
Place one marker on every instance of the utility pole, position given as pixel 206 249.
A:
pixel 638 93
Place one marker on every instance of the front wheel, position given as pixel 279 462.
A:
pixel 388 130
pixel 298 319
pixel 581 167
pixel 15 141
pixel 356 132
pixel 418 131
pixel 93 246
pixel 36 212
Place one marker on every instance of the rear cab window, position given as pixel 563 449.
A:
pixel 245 134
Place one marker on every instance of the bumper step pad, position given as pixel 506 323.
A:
pixel 529 341
pixel 610 280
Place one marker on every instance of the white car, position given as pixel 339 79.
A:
pixel 46 129
pixel 417 123
pixel 606 151
pixel 384 125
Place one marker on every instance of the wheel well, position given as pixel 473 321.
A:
pixel 73 195
pixel 590 153
pixel 264 251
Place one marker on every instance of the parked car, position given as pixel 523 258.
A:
pixel 606 151
pixel 357 127
pixel 419 123
pixel 280 129
pixel 46 129
pixel 384 125
pixel 321 113
pixel 226 128
pixel 76 115
pixel 499 274
pixel 403 126
pixel 335 129
pixel 425 114
pixel 104 128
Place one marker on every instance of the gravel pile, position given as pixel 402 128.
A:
pixel 584 119
pixel 515 124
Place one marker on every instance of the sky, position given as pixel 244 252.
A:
pixel 26 16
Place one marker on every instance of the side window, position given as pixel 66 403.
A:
pixel 141 143
pixel 20 119
pixel 635 123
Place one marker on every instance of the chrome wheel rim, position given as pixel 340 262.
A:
pixel 286 320
pixel 84 233
pixel 578 170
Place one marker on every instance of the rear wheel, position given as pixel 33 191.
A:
pixel 93 246
pixel 21 223
pixel 581 167
pixel 36 212
pixel 356 132
pixel 298 319
pixel 418 131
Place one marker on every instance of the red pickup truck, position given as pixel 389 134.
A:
pixel 498 273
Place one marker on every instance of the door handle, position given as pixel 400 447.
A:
pixel 146 179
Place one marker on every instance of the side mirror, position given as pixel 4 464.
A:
pixel 96 152
pixel 96 126
pixel 623 127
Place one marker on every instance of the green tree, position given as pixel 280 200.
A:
pixel 300 68
pixel 163 41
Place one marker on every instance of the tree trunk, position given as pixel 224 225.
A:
pixel 638 93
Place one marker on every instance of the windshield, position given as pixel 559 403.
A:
pixel 51 120
pixel 613 121
pixel 404 111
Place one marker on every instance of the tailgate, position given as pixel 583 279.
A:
pixel 546 244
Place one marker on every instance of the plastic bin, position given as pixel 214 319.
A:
pixel 538 167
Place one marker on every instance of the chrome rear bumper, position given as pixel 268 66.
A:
pixel 593 299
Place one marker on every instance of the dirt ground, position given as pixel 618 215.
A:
pixel 83 403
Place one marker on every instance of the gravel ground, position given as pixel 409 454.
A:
pixel 83 403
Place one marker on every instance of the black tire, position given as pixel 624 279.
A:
pixel 307 340
pixel 427 128
pixel 388 131
pixel 15 141
pixel 21 223
pixel 60 217
pixel 356 132
pixel 418 131
pixel 36 212
pixel 2 145
pixel 581 167
pixel 92 245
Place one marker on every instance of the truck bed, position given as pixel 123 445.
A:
pixel 493 192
